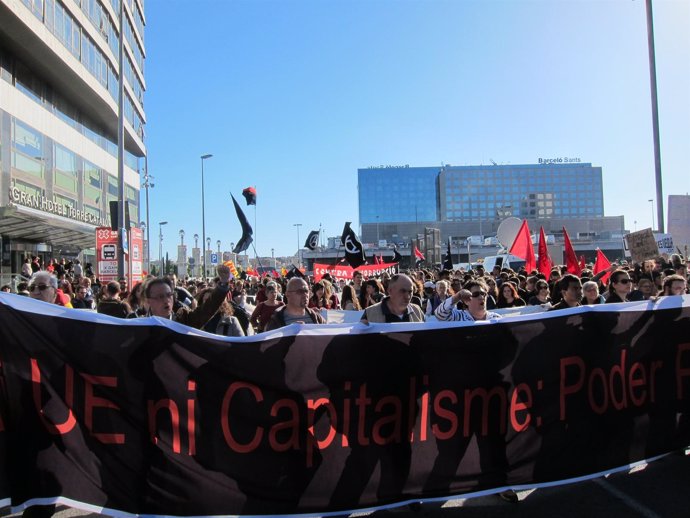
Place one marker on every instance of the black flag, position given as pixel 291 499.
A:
pixel 397 257
pixel 247 231
pixel 294 272
pixel 448 260
pixel 354 251
pixel 312 240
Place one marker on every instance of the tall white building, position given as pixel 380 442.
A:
pixel 679 220
pixel 59 70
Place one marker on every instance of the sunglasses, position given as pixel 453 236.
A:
pixel 41 287
pixel 477 294
pixel 623 281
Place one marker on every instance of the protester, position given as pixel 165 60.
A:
pixel 397 306
pixel 224 322
pixel 570 288
pixel 373 292
pixel 159 297
pixel 6 288
pixel 263 311
pixel 442 292
pixel 81 301
pixel 590 290
pixel 646 289
pixel 675 285
pixel 348 299
pixel 620 286
pixel 43 286
pixel 296 310
pixel 473 294
pixel 508 297
pixel 542 293
pixel 110 303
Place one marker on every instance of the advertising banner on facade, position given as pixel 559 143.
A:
pixel 149 417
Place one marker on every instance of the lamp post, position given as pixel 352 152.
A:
pixel 208 247
pixel 652 202
pixel 147 183
pixel 203 208
pixel 160 247
pixel 218 243
pixel 181 237
pixel 299 257
pixel 273 257
pixel 196 259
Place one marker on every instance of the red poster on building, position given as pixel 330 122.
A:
pixel 106 254
pixel 136 255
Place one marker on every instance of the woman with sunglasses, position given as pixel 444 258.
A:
pixel 620 286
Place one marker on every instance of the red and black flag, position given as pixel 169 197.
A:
pixel 354 251
pixel 247 231
pixel 250 195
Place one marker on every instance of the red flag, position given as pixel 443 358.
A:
pixel 570 257
pixel 582 263
pixel 602 263
pixel 544 264
pixel 522 247
pixel 419 255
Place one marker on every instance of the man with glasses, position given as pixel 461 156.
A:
pixel 44 286
pixel 396 307
pixel 474 295
pixel 159 296
pixel 571 292
pixel 81 300
pixel 295 310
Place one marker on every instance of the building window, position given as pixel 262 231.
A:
pixel 65 169
pixel 93 184
pixel 27 152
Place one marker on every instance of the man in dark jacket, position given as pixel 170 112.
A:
pixel 296 310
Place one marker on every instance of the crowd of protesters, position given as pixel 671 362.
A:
pixel 244 306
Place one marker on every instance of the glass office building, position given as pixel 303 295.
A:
pixel 402 193
pixel 398 203
pixel 59 74
pixel 540 191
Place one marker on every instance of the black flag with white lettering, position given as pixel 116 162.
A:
pixel 312 241
pixel 354 251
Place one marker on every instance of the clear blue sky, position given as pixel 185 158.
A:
pixel 294 96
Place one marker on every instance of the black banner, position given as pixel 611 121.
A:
pixel 150 417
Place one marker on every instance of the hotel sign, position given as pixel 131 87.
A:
pixel 53 207
pixel 559 160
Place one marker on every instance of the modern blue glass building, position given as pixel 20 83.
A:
pixel 404 193
pixel 398 203
pixel 539 191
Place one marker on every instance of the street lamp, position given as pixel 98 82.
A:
pixel 181 237
pixel 203 208
pixel 273 257
pixel 208 247
pixel 218 243
pixel 652 202
pixel 160 246
pixel 299 257
pixel 377 232
pixel 147 183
